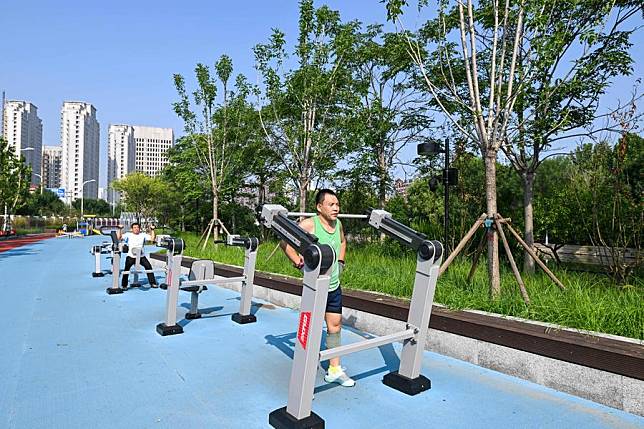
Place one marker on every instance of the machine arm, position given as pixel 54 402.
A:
pixel 275 217
pixel 382 221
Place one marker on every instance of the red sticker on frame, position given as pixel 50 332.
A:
pixel 303 328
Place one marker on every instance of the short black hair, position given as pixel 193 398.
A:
pixel 135 223
pixel 319 197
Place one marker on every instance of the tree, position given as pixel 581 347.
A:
pixel 15 176
pixel 189 184
pixel 302 110
pixel 141 193
pixel 93 206
pixel 503 67
pixel 606 195
pixel 471 77
pixel 391 114
pixel 568 57
pixel 216 131
pixel 46 203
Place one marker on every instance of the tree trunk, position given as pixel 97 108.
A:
pixel 528 218
pixel 492 237
pixel 304 184
pixel 215 210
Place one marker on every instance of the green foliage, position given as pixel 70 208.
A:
pixel 141 193
pixel 100 208
pixel 390 114
pixel 220 140
pixel 46 203
pixel 304 109
pixel 606 194
pixel 240 220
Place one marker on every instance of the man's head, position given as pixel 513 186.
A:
pixel 136 227
pixel 327 204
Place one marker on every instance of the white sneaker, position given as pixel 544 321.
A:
pixel 341 378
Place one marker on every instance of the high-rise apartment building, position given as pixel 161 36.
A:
pixel 121 152
pixel 22 129
pixel 52 163
pixel 79 131
pixel 152 145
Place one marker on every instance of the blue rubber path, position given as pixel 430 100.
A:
pixel 72 356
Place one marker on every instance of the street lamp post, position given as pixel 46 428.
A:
pixel 449 178
pixel 83 193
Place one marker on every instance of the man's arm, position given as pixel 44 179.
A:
pixel 343 244
pixel 119 232
pixel 152 233
pixel 297 260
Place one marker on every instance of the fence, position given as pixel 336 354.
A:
pixel 597 257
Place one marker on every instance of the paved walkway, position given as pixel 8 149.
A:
pixel 72 356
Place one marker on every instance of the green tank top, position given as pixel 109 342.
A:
pixel 333 240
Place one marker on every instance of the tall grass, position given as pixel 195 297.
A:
pixel 590 301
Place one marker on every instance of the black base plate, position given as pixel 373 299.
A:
pixel 192 316
pixel 163 286
pixel 242 320
pixel 280 419
pixel 164 329
pixel 135 285
pixel 98 274
pixel 410 386
pixel 113 290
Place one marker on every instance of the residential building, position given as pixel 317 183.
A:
pixel 52 164
pixel 102 193
pixel 121 152
pixel 400 187
pixel 22 129
pixel 152 145
pixel 79 132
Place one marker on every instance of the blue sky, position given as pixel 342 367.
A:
pixel 120 56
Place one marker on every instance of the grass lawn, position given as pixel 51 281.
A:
pixel 591 301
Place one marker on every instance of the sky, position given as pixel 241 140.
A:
pixel 121 56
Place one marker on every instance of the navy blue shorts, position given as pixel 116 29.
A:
pixel 334 301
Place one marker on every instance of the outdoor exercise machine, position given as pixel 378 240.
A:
pixel 97 250
pixel 202 274
pixel 104 248
pixel 318 260
pixel 174 246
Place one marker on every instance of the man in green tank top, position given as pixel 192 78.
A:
pixel 328 229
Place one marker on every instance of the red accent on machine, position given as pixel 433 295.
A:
pixel 303 328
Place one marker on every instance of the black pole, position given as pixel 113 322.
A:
pixel 446 202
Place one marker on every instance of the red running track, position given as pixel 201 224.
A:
pixel 12 243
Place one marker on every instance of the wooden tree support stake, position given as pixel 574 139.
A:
pixel 463 242
pixel 535 257
pixel 477 255
pixel 508 252
pixel 206 235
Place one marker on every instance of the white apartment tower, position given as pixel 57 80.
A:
pixel 152 145
pixel 79 131
pixel 23 130
pixel 121 152
pixel 52 163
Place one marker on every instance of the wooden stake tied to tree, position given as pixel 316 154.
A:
pixel 495 224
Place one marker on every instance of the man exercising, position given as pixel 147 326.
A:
pixel 136 239
pixel 328 229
